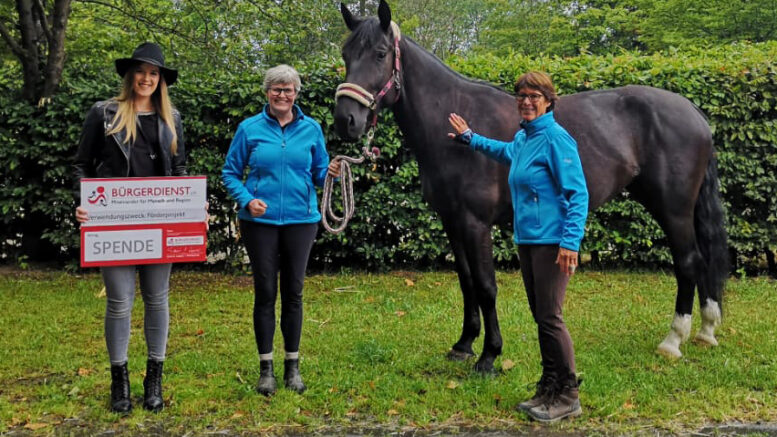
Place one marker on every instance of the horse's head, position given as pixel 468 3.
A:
pixel 371 55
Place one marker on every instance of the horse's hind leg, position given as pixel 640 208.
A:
pixel 687 265
pixel 710 319
pixel 712 241
pixel 710 308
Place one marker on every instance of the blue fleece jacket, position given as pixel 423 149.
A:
pixel 547 184
pixel 283 165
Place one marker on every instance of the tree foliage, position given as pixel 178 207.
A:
pixel 568 28
pixel 206 34
pixel 675 23
pixel 34 33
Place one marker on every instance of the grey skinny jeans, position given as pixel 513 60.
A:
pixel 120 290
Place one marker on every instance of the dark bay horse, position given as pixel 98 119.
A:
pixel 651 142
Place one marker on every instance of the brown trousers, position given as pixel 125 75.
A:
pixel 546 287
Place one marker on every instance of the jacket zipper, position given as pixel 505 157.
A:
pixel 308 184
pixel 107 125
pixel 283 172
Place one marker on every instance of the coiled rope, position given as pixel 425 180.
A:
pixel 346 185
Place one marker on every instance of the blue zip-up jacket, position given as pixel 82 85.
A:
pixel 547 184
pixel 283 165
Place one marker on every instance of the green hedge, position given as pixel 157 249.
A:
pixel 736 87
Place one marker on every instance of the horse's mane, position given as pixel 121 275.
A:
pixel 368 33
pixel 455 73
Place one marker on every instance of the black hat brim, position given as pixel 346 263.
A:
pixel 124 64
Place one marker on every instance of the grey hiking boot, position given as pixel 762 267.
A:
pixel 563 402
pixel 544 388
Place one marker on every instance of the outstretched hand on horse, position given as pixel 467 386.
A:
pixel 567 261
pixel 458 123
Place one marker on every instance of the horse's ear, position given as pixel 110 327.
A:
pixel 384 14
pixel 350 21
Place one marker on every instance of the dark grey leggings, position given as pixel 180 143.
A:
pixel 546 287
pixel 272 249
pixel 120 291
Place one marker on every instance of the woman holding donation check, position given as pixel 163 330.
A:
pixel 137 134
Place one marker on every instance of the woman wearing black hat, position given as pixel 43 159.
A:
pixel 137 134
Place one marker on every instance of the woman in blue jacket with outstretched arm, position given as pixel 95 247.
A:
pixel 285 154
pixel 550 205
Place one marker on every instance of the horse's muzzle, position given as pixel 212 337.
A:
pixel 350 119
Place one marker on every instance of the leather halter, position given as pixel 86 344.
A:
pixel 366 98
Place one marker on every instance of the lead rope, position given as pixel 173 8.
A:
pixel 346 185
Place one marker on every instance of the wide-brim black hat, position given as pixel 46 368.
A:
pixel 149 53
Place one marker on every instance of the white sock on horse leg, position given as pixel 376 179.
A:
pixel 681 330
pixel 710 319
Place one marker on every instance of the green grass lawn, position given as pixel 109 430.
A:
pixel 373 357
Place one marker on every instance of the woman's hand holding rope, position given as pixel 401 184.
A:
pixel 341 167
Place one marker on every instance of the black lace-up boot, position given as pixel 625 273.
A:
pixel 291 376
pixel 120 389
pixel 152 386
pixel 266 384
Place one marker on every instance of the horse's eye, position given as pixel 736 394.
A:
pixel 381 56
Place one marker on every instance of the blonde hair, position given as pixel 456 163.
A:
pixel 126 115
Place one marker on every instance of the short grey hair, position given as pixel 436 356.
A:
pixel 282 74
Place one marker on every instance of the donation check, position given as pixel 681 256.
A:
pixel 143 220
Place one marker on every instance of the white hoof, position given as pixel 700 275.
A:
pixel 669 350
pixel 706 338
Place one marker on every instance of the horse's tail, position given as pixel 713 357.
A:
pixel 711 233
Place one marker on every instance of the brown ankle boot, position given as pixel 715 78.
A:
pixel 544 388
pixel 563 402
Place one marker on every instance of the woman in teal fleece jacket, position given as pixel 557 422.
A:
pixel 285 154
pixel 550 205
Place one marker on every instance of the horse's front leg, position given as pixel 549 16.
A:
pixel 470 328
pixel 477 240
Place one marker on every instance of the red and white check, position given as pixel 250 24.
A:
pixel 143 220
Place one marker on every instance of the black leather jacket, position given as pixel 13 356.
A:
pixel 101 156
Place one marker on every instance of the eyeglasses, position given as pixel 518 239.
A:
pixel 534 98
pixel 279 91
